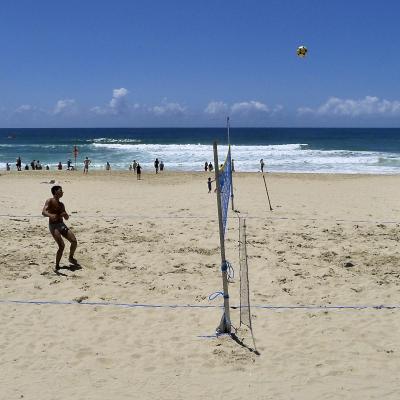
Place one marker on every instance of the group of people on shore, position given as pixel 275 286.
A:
pixel 134 166
pixel 137 168
pixel 208 167
pixel 35 165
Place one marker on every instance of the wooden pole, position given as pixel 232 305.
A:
pixel 229 147
pixel 266 189
pixel 225 324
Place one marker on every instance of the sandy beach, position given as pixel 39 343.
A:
pixel 331 240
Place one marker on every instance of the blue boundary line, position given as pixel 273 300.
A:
pixel 172 306
pixel 282 218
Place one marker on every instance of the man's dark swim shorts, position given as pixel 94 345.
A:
pixel 61 227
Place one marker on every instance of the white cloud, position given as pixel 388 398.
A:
pixel 118 104
pixel 370 105
pixel 249 106
pixel 277 109
pixel 64 106
pixel 26 108
pixel 216 107
pixel 168 109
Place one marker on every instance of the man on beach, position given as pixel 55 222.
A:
pixel 86 163
pixel 55 211
pixel 19 163
pixel 262 165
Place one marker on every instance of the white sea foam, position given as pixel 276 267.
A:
pixel 293 157
pixel 113 140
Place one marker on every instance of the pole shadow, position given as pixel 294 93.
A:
pixel 241 343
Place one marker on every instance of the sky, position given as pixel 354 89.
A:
pixel 184 63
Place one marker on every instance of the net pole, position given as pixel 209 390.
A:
pixel 75 155
pixel 229 149
pixel 225 324
pixel 266 189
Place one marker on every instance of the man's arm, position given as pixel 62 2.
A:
pixel 64 214
pixel 45 211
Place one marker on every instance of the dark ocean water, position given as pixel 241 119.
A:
pixel 283 149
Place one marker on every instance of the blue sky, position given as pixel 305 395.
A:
pixel 191 63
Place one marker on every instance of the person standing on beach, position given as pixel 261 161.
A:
pixel 209 181
pixel 134 165
pixel 262 165
pixel 8 167
pixel 18 164
pixel 108 166
pixel 156 164
pixel 210 167
pixel 161 165
pixel 55 211
pixel 233 165
pixel 86 163
pixel 138 171
pixel 206 166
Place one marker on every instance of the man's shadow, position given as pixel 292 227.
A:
pixel 71 267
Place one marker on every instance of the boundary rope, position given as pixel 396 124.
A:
pixel 102 216
pixel 266 307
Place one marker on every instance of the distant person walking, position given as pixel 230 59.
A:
pixel 262 165
pixel 210 167
pixel 233 165
pixel 161 165
pixel 108 166
pixel 69 164
pixel 138 171
pixel 18 164
pixel 206 166
pixel 8 167
pixel 55 211
pixel 134 165
pixel 86 163
pixel 156 164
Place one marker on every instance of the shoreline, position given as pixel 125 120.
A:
pixel 103 172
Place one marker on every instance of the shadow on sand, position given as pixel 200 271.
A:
pixel 70 267
pixel 241 343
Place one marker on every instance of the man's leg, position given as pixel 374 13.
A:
pixel 72 239
pixel 57 237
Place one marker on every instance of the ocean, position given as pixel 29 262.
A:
pixel 293 150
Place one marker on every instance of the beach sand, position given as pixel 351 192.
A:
pixel 331 240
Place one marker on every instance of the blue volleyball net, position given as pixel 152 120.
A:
pixel 225 184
